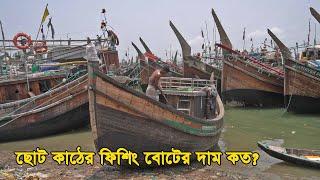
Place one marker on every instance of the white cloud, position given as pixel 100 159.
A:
pixel 198 40
pixel 263 33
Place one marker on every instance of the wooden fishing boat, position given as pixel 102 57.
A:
pixel 247 80
pixel 17 88
pixel 194 67
pixel 302 83
pixel 122 117
pixel 303 157
pixel 149 63
pixel 62 109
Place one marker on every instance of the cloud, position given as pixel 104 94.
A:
pixel 263 33
pixel 198 40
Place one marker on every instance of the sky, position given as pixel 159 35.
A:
pixel 149 19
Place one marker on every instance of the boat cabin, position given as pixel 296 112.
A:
pixel 195 97
pixel 310 53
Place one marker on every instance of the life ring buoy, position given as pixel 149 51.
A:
pixel 22 43
pixel 114 37
pixel 40 47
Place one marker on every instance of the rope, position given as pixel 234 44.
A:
pixel 31 100
pixel 286 109
pixel 38 110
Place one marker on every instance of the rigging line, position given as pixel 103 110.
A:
pixel 33 99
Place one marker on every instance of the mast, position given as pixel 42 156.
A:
pixel 186 49
pixel 223 35
pixel 4 47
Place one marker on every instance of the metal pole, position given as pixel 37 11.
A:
pixel 4 47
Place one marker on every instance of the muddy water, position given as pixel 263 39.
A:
pixel 243 128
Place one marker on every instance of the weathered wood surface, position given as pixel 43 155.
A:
pixel 301 83
pixel 29 103
pixel 13 90
pixel 241 80
pixel 302 88
pixel 122 117
pixel 110 57
pixel 61 112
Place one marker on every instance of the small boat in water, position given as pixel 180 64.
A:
pixel 123 117
pixel 303 157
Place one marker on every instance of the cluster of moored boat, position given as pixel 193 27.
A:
pixel 189 113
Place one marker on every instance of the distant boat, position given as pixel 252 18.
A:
pixel 302 79
pixel 247 80
pixel 303 157
pixel 16 88
pixel 123 117
pixel 148 63
pixel 193 66
pixel 59 110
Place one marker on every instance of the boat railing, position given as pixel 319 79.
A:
pixel 175 83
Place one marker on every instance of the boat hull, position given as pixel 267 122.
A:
pixel 248 85
pixel 13 90
pixel 65 110
pixel 302 88
pixel 254 97
pixel 120 129
pixel 123 118
pixel 74 119
pixel 302 104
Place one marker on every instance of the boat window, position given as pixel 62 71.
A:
pixel 310 54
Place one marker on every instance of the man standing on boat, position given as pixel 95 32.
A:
pixel 154 84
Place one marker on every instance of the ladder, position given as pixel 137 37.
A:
pixel 184 105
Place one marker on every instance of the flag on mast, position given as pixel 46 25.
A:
pixel 52 29
pixel 45 14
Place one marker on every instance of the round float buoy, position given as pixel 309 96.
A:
pixel 24 42
pixel 40 47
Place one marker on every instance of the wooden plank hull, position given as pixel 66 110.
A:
pixel 302 88
pixel 63 111
pixel 293 155
pixel 120 129
pixel 73 119
pixel 247 84
pixel 122 117
pixel 13 90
